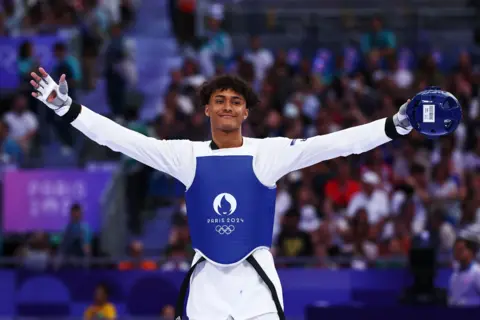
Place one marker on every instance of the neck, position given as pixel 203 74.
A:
pixel 224 139
pixel 465 264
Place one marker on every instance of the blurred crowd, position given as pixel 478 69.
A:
pixel 91 45
pixel 347 212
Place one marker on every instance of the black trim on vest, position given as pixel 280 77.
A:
pixel 185 284
pixel 183 291
pixel 269 283
pixel 72 113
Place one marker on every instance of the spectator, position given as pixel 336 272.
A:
pixel 11 152
pixel 137 260
pixel 177 258
pixel 101 308
pixel 291 241
pixel 261 58
pixel 399 74
pixel 440 230
pixel 428 74
pixel 447 150
pixel 378 38
pixel 191 74
pixel 333 224
pixel 371 198
pixel 418 180
pixel 26 61
pixel 342 188
pixel 282 204
pixel 36 253
pixel 22 122
pixel 180 235
pixel 465 280
pixel 409 219
pixel 403 159
pixel 445 191
pixel 218 45
pixel 375 162
pixel 118 72
pixel 137 175
pixel 94 34
pixel 307 206
pixel 77 238
pixel 363 247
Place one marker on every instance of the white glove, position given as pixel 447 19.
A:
pixel 400 119
pixel 50 93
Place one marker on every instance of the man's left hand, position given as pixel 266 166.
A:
pixel 400 119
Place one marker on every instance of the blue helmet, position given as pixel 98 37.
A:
pixel 434 112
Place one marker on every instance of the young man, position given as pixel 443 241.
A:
pixel 465 280
pixel 230 189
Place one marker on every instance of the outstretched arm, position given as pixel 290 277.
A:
pixel 287 155
pixel 170 156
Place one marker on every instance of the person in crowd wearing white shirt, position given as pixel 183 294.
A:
pixel 230 185
pixel 371 197
pixel 464 288
pixel 22 122
pixel 261 58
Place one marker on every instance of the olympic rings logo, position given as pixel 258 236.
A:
pixel 225 229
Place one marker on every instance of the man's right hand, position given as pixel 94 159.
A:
pixel 53 95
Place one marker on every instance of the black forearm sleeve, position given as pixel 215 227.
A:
pixel 390 129
pixel 72 113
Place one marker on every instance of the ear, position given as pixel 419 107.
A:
pixel 207 111
pixel 245 114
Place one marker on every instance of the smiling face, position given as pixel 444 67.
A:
pixel 227 110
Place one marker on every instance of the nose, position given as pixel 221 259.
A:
pixel 227 107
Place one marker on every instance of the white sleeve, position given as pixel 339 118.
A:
pixel 282 155
pixel 174 157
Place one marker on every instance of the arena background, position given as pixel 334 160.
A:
pixel 319 66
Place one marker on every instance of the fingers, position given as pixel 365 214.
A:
pixel 43 76
pixel 62 78
pixel 35 76
pixel 39 82
pixel 34 84
pixel 43 72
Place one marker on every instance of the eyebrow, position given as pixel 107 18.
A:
pixel 222 96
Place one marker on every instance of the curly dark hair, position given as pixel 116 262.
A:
pixel 226 82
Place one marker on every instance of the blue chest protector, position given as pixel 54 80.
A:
pixel 230 212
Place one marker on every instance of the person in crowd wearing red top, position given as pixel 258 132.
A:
pixel 341 189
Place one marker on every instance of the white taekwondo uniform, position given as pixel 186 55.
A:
pixel 222 220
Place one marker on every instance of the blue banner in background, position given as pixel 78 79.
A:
pixel 144 293
pixel 41 199
pixel 9 47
